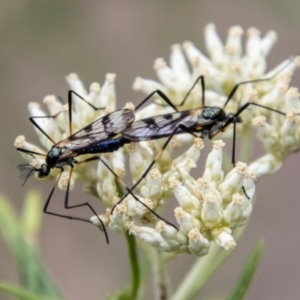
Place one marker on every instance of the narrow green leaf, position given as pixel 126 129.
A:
pixel 201 271
pixel 21 238
pixel 34 276
pixel 248 271
pixel 32 214
pixel 22 293
pixel 9 225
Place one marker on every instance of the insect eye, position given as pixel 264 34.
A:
pixel 44 171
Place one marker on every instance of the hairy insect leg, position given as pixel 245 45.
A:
pixel 67 206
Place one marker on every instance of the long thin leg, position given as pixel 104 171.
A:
pixel 127 188
pixel 233 91
pixel 157 156
pixel 240 110
pixel 59 215
pixel 29 152
pixel 129 191
pixel 67 206
pixel 70 92
pixel 70 101
pixel 162 95
pixel 32 120
pixel 202 79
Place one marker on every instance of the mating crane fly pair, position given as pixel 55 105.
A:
pixel 114 130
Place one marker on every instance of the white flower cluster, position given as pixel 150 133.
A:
pixel 280 136
pixel 227 66
pixel 209 208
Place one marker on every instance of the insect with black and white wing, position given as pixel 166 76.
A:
pixel 94 138
pixel 206 120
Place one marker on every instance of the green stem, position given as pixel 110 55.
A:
pixel 133 256
pixel 135 270
pixel 161 276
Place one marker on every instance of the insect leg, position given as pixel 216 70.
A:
pixel 66 205
pixel 169 102
pixel 254 81
pixel 32 120
pixel 129 191
pixel 202 80
pixel 70 93
pixel 29 152
pixel 162 95
pixel 241 109
pixel 157 156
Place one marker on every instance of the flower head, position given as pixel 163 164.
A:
pixel 227 65
pixel 209 208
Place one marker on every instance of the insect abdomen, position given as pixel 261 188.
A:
pixel 104 146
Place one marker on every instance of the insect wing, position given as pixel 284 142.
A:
pixel 101 129
pixel 164 125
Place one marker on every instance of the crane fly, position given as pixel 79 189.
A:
pixel 206 120
pixel 93 138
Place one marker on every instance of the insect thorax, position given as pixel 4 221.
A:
pixel 213 113
pixel 53 156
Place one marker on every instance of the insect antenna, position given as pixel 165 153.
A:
pixel 25 171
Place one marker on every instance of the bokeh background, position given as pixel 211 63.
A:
pixel 43 41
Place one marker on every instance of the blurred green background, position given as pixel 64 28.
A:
pixel 43 41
